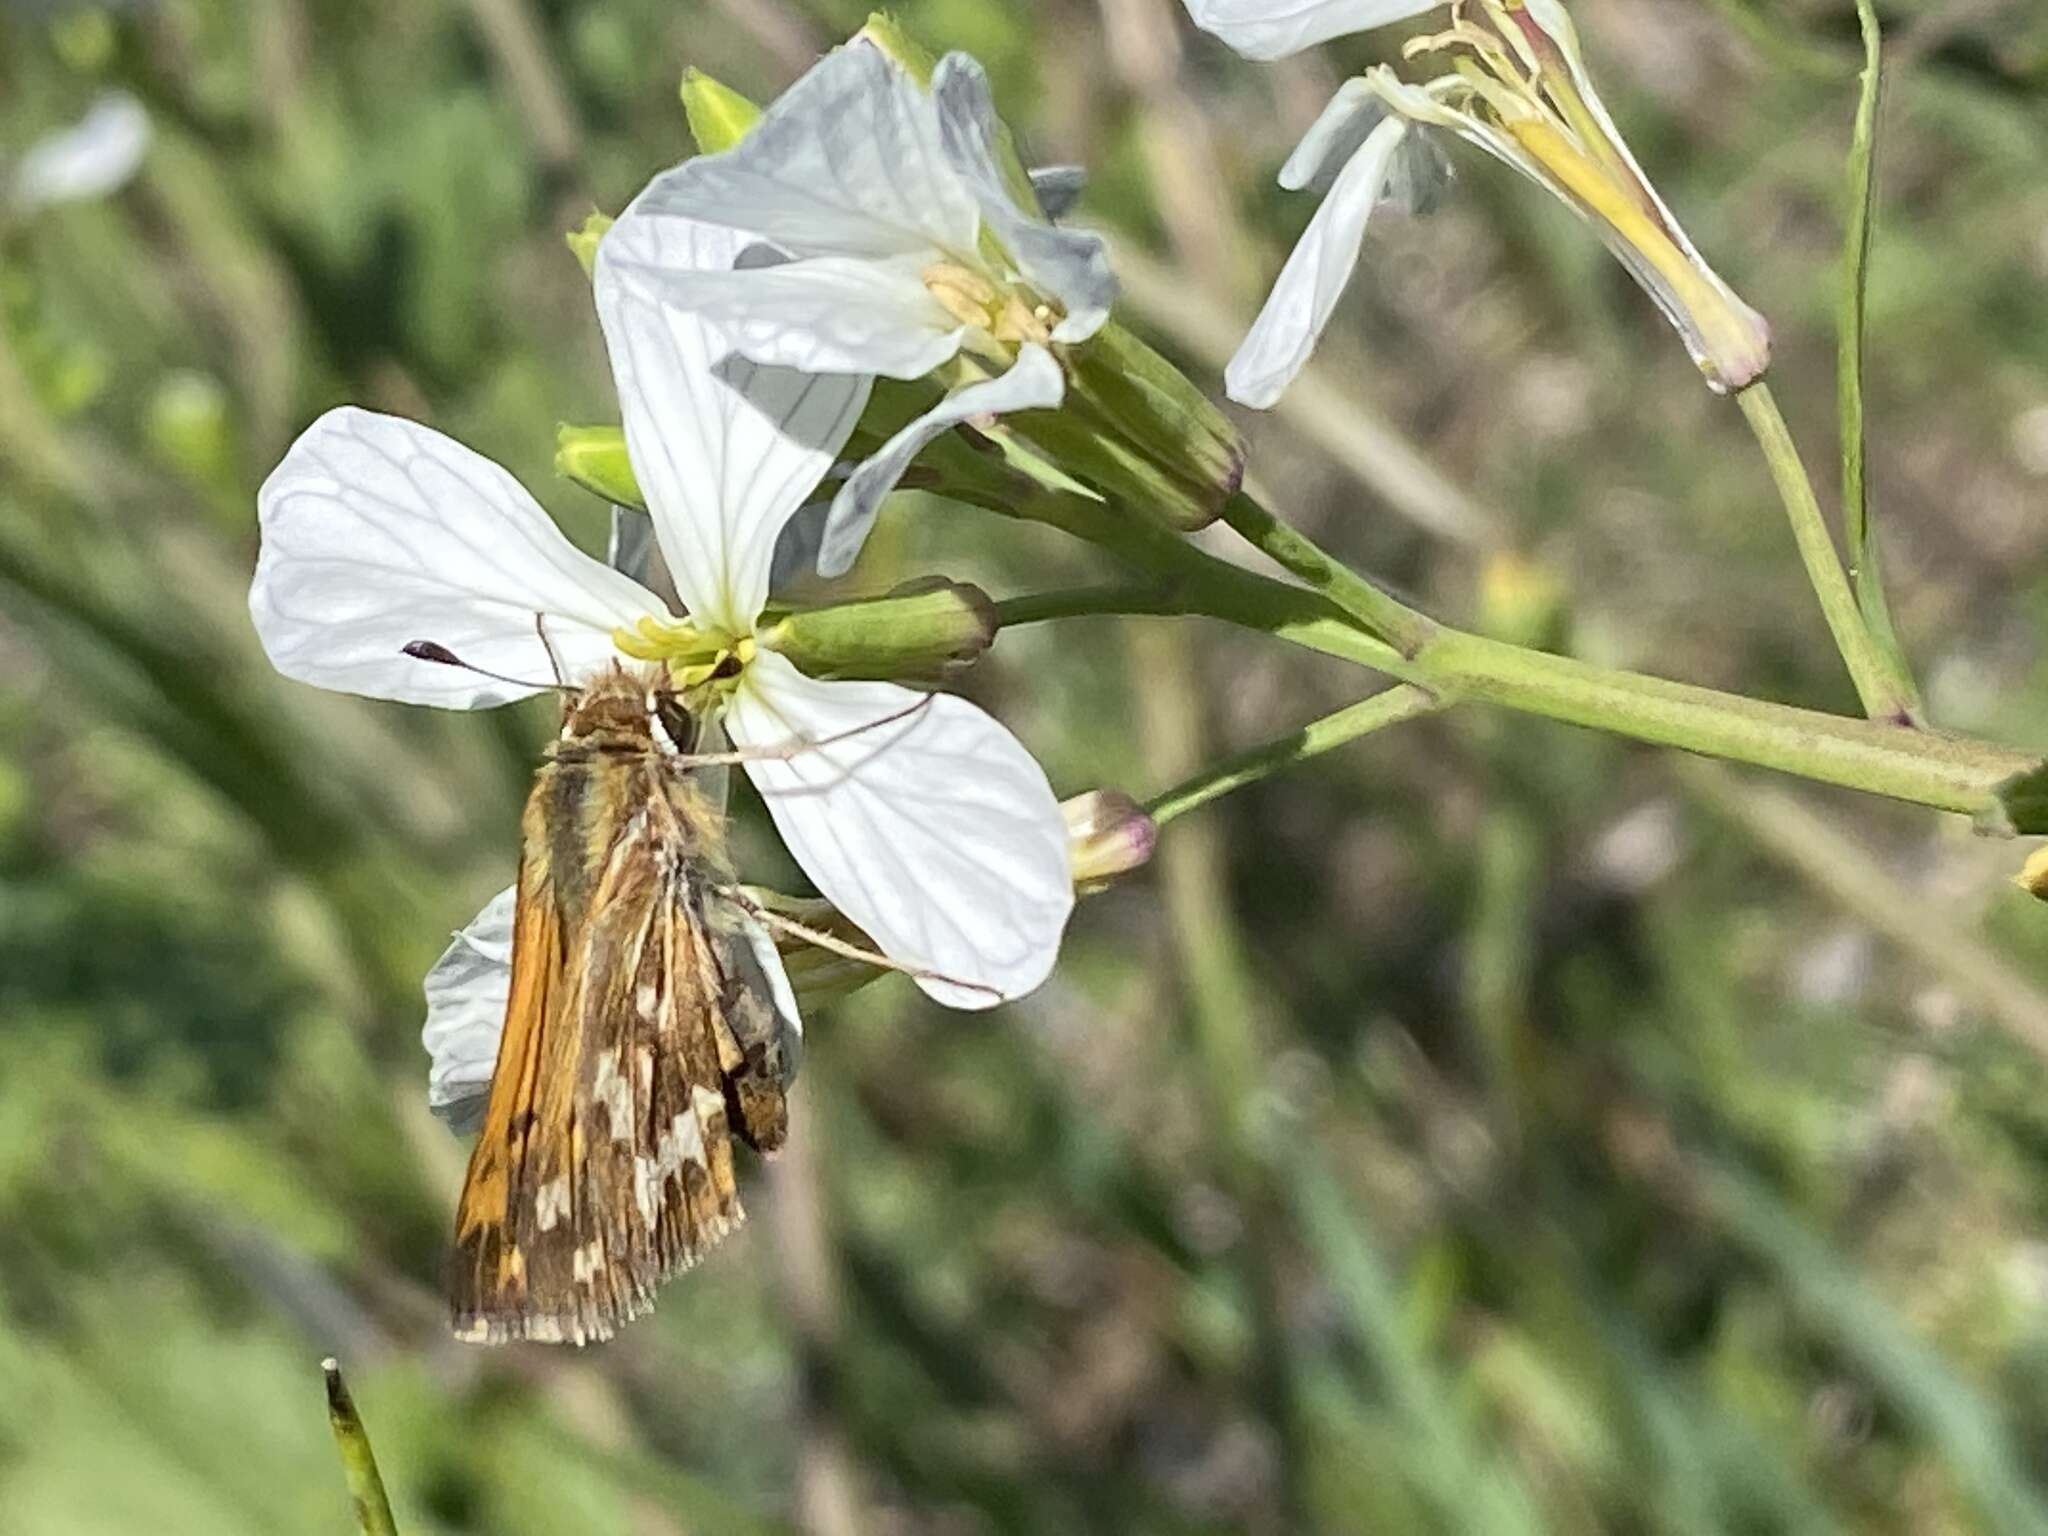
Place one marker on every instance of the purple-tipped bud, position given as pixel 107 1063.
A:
pixel 1109 834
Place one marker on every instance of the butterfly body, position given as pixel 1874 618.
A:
pixel 643 1036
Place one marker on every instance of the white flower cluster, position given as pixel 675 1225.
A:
pixel 873 224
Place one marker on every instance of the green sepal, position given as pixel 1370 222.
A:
pixel 584 238
pixel 921 631
pixel 719 116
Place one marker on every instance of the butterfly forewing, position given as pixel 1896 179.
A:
pixel 640 1041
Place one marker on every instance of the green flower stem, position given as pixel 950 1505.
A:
pixel 1922 767
pixel 1886 694
pixel 1393 621
pixel 1949 773
pixel 1404 701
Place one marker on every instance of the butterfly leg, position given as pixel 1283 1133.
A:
pixel 784 751
pixel 776 921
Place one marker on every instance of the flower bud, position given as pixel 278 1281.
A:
pixel 1109 835
pixel 923 630
pixel 1136 430
pixel 595 458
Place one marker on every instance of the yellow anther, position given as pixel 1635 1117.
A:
pixel 669 640
pixel 963 293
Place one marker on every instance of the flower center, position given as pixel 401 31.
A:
pixel 973 298
pixel 704 664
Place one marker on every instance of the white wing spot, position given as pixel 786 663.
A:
pixel 616 1095
pixel 551 1204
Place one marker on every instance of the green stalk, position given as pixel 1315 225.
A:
pixel 1949 773
pixel 1886 694
pixel 1393 621
pixel 1866 567
pixel 358 1462
pixel 1390 707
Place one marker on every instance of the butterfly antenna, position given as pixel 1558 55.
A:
pixel 554 661
pixel 440 655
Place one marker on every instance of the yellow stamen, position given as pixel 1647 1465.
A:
pixel 973 299
pixel 652 639
pixel 962 292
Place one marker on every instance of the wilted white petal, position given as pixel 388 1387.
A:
pixel 725 450
pixel 93 157
pixel 1298 308
pixel 796 551
pixel 1069 265
pixel 1059 188
pixel 936 832
pixel 1272 29
pixel 1334 137
pixel 467 991
pixel 846 162
pixel 827 314
pixel 1032 382
pixel 379 531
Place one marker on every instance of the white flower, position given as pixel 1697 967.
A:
pixel 934 830
pixel 885 241
pixel 1272 29
pixel 91 158
pixel 1516 87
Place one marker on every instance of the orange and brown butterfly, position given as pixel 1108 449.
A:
pixel 649 1028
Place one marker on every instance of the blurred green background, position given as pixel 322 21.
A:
pixel 1633 1146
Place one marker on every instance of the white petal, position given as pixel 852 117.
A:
pixel 937 832
pixel 846 162
pixel 1069 265
pixel 725 450
pixel 1059 188
pixel 93 157
pixel 829 314
pixel 1272 29
pixel 1308 288
pixel 1033 382
pixel 1419 171
pixel 467 991
pixel 1334 137
pixel 378 532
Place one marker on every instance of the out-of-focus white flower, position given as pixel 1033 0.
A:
pixel 93 157
pixel 884 239
pixel 930 827
pixel 1516 86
